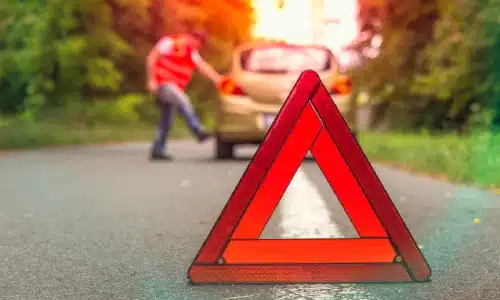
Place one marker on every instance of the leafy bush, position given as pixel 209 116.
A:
pixel 56 52
pixel 439 59
pixel 121 111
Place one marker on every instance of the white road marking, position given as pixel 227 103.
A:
pixel 304 214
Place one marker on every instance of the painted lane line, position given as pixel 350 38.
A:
pixel 304 214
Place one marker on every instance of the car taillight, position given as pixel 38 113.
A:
pixel 342 85
pixel 228 87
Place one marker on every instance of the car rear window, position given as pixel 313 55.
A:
pixel 285 59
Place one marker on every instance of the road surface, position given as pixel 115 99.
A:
pixel 104 223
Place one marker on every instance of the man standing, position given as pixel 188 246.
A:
pixel 170 66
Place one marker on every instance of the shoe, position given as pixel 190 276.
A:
pixel 203 136
pixel 160 156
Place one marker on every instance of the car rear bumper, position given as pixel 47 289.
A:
pixel 241 120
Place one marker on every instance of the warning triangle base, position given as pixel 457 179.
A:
pixel 299 273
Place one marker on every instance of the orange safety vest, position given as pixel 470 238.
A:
pixel 177 66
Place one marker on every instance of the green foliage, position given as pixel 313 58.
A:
pixel 121 111
pixel 405 27
pixel 439 59
pixel 67 54
pixel 57 51
pixel 17 135
pixel 454 66
pixel 74 71
pixel 491 101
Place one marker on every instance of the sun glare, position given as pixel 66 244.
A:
pixel 295 22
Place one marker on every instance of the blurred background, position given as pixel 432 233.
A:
pixel 73 71
pixel 101 222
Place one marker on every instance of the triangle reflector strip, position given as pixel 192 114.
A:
pixel 385 250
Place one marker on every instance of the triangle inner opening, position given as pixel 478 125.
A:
pixel 309 209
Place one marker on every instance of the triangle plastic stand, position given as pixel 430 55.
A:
pixel 385 250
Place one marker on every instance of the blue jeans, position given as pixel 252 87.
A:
pixel 168 98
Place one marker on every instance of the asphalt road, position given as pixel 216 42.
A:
pixel 104 223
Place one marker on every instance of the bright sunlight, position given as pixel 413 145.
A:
pixel 295 22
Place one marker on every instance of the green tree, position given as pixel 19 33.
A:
pixel 57 51
pixel 404 28
pixel 439 62
pixel 460 79
pixel 490 10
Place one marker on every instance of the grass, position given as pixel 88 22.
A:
pixel 464 159
pixel 19 135
pixel 471 159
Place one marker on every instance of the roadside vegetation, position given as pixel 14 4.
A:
pixel 472 159
pixel 72 72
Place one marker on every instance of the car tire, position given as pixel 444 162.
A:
pixel 224 150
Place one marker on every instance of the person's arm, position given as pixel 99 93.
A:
pixel 205 68
pixel 163 46
pixel 150 64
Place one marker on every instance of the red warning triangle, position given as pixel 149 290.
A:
pixel 385 250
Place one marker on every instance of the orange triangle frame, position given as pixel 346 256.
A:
pixel 309 121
